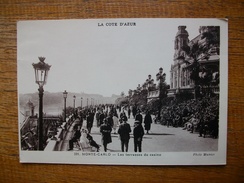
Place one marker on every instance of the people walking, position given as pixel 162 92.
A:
pixel 98 118
pixel 134 111
pixel 101 118
pixel 110 120
pixel 129 111
pixel 124 134
pixel 81 119
pixel 122 115
pixel 116 123
pixel 138 133
pixel 89 121
pixel 138 116
pixel 105 131
pixel 147 122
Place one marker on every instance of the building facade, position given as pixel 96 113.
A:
pixel 206 56
pixel 206 48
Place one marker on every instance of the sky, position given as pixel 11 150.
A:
pixel 88 57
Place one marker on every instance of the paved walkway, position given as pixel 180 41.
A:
pixel 160 139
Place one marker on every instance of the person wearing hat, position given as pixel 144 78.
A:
pixel 124 134
pixel 105 130
pixel 147 122
pixel 134 111
pixel 138 133
pixel 89 121
pixel 123 115
pixel 139 116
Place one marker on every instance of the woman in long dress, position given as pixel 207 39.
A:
pixel 84 142
pixel 116 123
pixel 148 121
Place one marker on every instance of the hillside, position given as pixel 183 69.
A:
pixel 55 101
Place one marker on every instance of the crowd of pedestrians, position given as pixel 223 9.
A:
pixel 199 116
pixel 110 119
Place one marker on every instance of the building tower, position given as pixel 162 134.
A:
pixel 181 40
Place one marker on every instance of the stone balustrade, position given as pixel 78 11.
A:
pixel 55 142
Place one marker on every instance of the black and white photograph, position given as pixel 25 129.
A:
pixel 147 91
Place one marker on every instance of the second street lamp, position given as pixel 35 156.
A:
pixel 81 102
pixel 92 101
pixel 161 78
pixel 41 72
pixel 65 93
pixel 74 102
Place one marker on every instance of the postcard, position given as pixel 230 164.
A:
pixel 144 91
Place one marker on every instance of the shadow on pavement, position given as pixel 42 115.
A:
pixel 116 136
pixel 160 134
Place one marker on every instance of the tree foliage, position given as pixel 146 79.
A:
pixel 122 101
pixel 139 98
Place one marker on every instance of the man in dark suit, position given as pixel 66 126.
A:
pixel 124 133
pixel 138 133
pixel 139 116
pixel 89 121
pixel 105 130
pixel 101 118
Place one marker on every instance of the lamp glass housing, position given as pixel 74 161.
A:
pixel 41 71
pixel 65 93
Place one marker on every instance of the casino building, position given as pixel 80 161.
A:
pixel 180 80
pixel 181 68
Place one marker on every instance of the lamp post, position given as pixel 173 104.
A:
pixel 92 102
pixel 81 102
pixel 74 102
pixel 87 102
pixel 149 85
pixel 149 82
pixel 41 72
pixel 65 93
pixel 161 78
pixel 138 87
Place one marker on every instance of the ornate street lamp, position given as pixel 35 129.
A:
pixel 41 72
pixel 139 87
pixel 65 93
pixel 161 78
pixel 149 83
pixel 81 102
pixel 74 102
pixel 92 101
